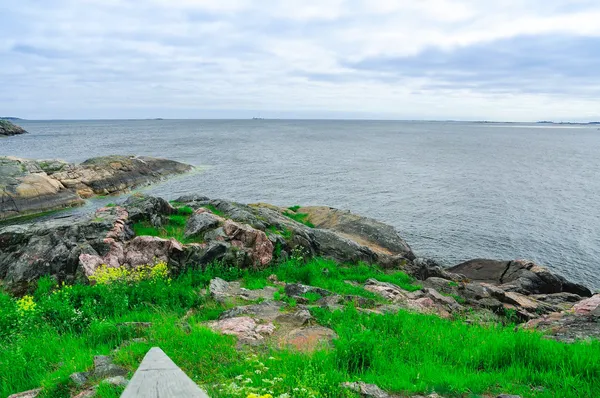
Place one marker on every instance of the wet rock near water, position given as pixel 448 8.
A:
pixel 33 186
pixel 379 237
pixel 520 276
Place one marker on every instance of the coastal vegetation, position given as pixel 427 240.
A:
pixel 174 227
pixel 302 218
pixel 266 307
pixel 55 330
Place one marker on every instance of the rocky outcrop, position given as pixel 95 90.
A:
pixel 521 276
pixel 244 328
pixel 426 300
pixel 241 235
pixel 115 174
pixel 8 128
pixel 352 240
pixel 379 237
pixel 54 247
pixel 222 290
pixel 32 186
pixel 582 321
pixel 26 188
pixel 254 237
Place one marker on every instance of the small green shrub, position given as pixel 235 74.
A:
pixel 185 211
pixel 312 297
pixel 294 208
pixel 178 220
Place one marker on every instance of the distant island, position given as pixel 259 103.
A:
pixel 7 128
pixel 574 123
pixel 9 118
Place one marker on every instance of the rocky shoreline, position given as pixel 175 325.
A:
pixel 8 128
pixel 33 186
pixel 258 236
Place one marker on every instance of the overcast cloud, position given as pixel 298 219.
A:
pixel 405 59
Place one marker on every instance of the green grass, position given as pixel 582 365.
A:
pixel 406 353
pixel 294 208
pixel 185 211
pixel 302 218
pixel 312 297
pixel 174 228
pixel 214 210
pixel 330 275
pixel 285 233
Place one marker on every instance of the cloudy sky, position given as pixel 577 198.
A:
pixel 399 59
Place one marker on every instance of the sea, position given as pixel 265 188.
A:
pixel 454 190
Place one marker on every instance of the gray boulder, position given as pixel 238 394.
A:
pixel 198 224
pixel 148 208
pixel 79 378
pixel 105 368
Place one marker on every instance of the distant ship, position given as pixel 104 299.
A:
pixel 258 118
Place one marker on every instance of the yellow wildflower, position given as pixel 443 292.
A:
pixel 105 275
pixel 26 304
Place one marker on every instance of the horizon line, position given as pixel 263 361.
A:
pixel 306 119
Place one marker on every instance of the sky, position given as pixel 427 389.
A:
pixel 508 60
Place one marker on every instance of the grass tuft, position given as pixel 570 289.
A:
pixel 302 218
